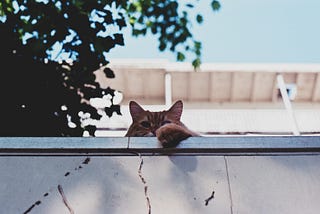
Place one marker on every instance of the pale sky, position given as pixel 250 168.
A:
pixel 245 31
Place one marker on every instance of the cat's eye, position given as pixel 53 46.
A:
pixel 165 122
pixel 145 124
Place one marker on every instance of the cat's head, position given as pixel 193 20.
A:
pixel 145 123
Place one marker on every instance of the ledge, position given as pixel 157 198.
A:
pixel 249 145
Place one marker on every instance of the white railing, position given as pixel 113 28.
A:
pixel 149 145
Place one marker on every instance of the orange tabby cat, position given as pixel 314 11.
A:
pixel 165 125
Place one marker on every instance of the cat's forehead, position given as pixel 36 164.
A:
pixel 154 115
pixel 157 114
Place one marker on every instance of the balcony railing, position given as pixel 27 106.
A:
pixel 233 145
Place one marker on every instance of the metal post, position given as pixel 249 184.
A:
pixel 168 90
pixel 287 104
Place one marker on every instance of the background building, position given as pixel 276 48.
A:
pixel 219 98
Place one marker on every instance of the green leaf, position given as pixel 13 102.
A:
pixel 154 29
pixel 138 6
pixel 132 20
pixel 149 23
pixel 109 73
pixel 199 19
pixel 196 63
pixel 9 9
pixel 162 46
pixel 215 5
pixel 118 39
pixel 197 45
pixel 180 56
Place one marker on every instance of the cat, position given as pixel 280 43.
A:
pixel 164 125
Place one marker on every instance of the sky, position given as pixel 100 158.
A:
pixel 244 31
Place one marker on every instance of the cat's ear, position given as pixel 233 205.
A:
pixel 135 109
pixel 176 110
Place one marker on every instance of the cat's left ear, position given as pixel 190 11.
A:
pixel 176 110
pixel 135 109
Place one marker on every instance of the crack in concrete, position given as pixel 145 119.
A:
pixel 229 184
pixel 38 202
pixel 206 202
pixel 64 199
pixel 86 161
pixel 143 180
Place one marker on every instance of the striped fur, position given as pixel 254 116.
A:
pixel 165 125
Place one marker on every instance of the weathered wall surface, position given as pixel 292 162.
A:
pixel 229 175
pixel 173 184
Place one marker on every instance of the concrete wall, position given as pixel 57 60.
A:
pixel 33 180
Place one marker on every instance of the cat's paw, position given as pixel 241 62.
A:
pixel 171 135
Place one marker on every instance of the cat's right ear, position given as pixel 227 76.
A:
pixel 135 110
pixel 176 110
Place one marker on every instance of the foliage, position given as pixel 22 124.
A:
pixel 41 97
pixel 41 93
pixel 171 22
